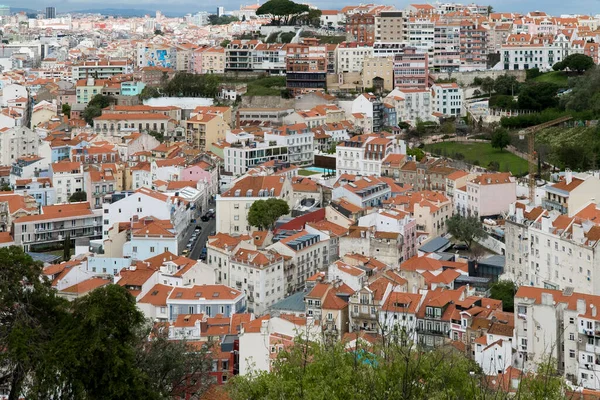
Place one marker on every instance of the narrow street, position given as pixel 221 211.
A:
pixel 207 228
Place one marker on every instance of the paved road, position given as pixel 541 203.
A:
pixel 207 228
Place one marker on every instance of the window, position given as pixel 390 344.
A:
pixel 151 249
pixel 572 353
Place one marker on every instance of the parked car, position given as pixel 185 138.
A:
pixel 203 254
pixel 460 247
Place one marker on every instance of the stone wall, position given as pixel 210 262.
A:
pixel 266 102
pixel 466 78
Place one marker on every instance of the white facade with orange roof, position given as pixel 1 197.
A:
pixel 233 205
pixel 17 142
pixel 561 324
pixel 491 194
pixel 259 274
pixel 143 203
pixel 209 300
pixel 54 223
pixel 525 51
pixel 366 192
pixel 299 140
pixel 67 178
pixel 547 249
pixel 306 253
pixel 572 192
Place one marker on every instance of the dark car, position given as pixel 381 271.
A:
pixel 460 247
pixel 205 217
pixel 203 254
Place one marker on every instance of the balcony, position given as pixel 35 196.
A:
pixel 362 315
pixel 435 332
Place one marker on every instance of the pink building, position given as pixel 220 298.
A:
pixel 411 69
pixel 491 194
pixel 202 171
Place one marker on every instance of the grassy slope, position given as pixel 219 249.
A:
pixel 557 77
pixel 484 153
pixel 268 86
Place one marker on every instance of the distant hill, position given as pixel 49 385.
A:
pixel 15 10
pixel 124 12
pixel 117 12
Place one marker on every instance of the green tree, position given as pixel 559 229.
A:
pixel 465 229
pixel 577 62
pixel 174 368
pixel 538 96
pixel 95 106
pixel 192 85
pixel 30 314
pixel 105 329
pixel 493 166
pixel 97 347
pixel 500 139
pixel 283 12
pixel 264 213
pixel 78 196
pixel 286 37
pixel 390 369
pixel 67 248
pixel 416 152
pixel 66 110
pixel 403 125
pixel 157 135
pixel 506 85
pixel 225 43
pixel 214 19
pixel 448 127
pixel 5 188
pixel 149 92
pixel 505 291
pixel 487 85
pixel 559 66
pixel 532 73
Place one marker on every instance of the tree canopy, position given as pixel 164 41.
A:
pixel 264 213
pixel 575 62
pixel 389 369
pixel 466 229
pixel 538 96
pixel 507 85
pixel 283 12
pixel 505 291
pixel 78 196
pixel 96 347
pixel 214 19
pixel 185 84
pixel 95 106
pixel 500 139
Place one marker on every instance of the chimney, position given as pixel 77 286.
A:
pixel 547 299
pixel 545 223
pixel 568 176
pixel 581 306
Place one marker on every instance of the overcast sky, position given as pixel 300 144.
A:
pixel 554 7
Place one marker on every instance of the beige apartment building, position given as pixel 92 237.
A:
pixel 389 26
pixel 378 72
pixel 203 130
